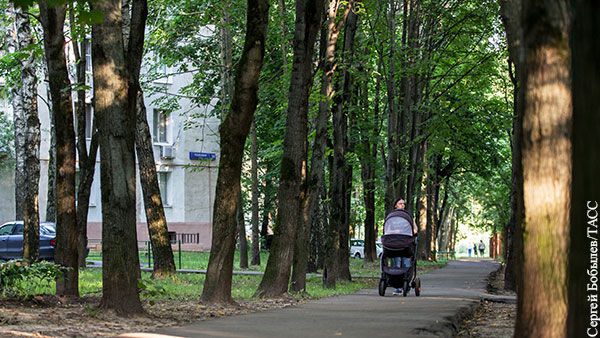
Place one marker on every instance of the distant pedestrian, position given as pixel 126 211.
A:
pixel 474 249
pixel 470 252
pixel 481 248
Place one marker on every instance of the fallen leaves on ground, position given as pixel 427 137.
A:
pixel 492 319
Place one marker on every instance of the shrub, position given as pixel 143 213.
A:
pixel 15 274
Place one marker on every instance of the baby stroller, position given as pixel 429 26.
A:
pixel 398 241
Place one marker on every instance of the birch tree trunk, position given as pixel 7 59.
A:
pixel 12 44
pixel 31 140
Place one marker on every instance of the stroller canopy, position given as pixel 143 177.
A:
pixel 398 222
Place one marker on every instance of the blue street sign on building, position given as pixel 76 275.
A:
pixel 202 156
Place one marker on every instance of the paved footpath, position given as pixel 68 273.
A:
pixel 448 295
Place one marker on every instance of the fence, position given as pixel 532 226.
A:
pixel 145 247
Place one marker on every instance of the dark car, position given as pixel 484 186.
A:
pixel 11 240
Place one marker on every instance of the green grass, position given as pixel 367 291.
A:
pixel 188 286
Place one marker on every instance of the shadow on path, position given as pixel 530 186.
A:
pixel 448 295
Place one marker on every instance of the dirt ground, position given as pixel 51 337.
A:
pixel 51 316
pixel 492 319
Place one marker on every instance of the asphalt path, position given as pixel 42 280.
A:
pixel 448 295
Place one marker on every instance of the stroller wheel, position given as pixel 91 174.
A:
pixel 417 287
pixel 382 287
pixel 405 288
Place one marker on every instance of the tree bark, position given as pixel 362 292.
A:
pixel 337 260
pixel 164 264
pixel 546 159
pixel 369 144
pixel 255 257
pixel 586 166
pixel 393 188
pixel 293 163
pixel 19 128
pixel 66 254
pixel 241 228
pixel 120 261
pixel 510 11
pixel 30 138
pixel 233 132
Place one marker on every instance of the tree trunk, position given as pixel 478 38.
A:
pixel 336 262
pixel 393 187
pixel 301 246
pixel 233 132
pixel 511 11
pixel 51 196
pixel 66 254
pixel 267 207
pixel 19 128
pixel 120 261
pixel 316 186
pixel 87 162
pixel 255 257
pixel 30 138
pixel 164 264
pixel 586 166
pixel 241 228
pixel 293 163
pixel 368 168
pixel 546 159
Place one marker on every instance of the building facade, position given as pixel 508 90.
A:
pixel 186 152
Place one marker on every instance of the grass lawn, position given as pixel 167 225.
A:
pixel 188 286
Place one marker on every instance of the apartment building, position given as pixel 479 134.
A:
pixel 186 152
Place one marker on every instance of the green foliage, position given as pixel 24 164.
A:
pixel 18 278
pixel 150 289
pixel 7 136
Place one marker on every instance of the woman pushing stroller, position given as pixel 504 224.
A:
pixel 399 244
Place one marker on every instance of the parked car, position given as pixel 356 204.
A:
pixel 357 248
pixel 11 240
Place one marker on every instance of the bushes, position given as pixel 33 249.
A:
pixel 14 274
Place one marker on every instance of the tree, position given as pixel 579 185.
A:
pixel 241 229
pixel 316 187
pixel 53 19
pixel 164 264
pixel 27 139
pixel 336 262
pixel 120 261
pixel 87 160
pixel 546 160
pixel 511 10
pixel 293 163
pixel 255 256
pixel 233 132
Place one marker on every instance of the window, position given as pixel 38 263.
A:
pixel 6 229
pixel 160 126
pixel 163 180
